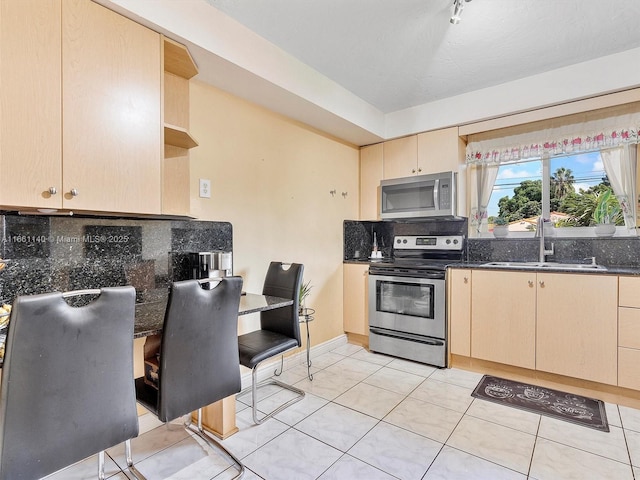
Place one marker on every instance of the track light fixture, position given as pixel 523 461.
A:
pixel 458 5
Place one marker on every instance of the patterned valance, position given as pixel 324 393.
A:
pixel 589 131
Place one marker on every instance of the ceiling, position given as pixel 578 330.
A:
pixel 366 70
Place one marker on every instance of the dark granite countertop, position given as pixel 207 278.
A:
pixel 610 270
pixel 150 315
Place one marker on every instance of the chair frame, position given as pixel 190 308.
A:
pixel 255 384
pixel 198 429
pixel 127 442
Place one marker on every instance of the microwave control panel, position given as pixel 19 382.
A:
pixel 445 196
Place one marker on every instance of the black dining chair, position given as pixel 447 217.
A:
pixel 198 361
pixel 67 389
pixel 279 332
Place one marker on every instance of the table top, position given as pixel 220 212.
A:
pixel 150 315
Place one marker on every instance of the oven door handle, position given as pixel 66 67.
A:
pixel 406 336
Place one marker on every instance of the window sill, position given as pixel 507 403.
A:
pixel 569 232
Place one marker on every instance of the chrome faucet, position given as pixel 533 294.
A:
pixel 540 234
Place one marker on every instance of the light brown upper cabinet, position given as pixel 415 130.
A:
pixel 428 152
pixel 179 67
pixel 111 96
pixel 440 151
pixel 371 166
pixel 30 103
pixel 80 118
pixel 401 157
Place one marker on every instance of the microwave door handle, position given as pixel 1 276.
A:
pixel 436 187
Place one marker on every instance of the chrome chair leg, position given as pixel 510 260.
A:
pixel 101 465
pixel 213 443
pixel 275 372
pixel 129 458
pixel 254 396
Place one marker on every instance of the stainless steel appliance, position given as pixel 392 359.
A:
pixel 433 195
pixel 407 298
pixel 211 264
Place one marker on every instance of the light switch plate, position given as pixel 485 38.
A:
pixel 205 188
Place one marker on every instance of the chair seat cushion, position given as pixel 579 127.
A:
pixel 257 346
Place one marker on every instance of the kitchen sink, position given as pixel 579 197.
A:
pixel 546 266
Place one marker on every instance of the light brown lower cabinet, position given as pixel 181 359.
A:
pixel 355 297
pixel 560 323
pixel 459 314
pixel 577 328
pixel 503 325
pixel 629 332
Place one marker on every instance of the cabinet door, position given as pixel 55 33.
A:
pixel 459 311
pixel 355 301
pixel 401 157
pixel 577 326
pixel 503 326
pixel 30 103
pixel 370 176
pixel 440 151
pixel 112 135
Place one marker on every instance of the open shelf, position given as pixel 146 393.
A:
pixel 178 137
pixel 178 60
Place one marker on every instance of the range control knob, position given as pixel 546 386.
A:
pixel 455 241
pixel 448 241
pixel 404 241
pixel 398 240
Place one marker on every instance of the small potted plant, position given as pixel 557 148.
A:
pixel 605 214
pixel 305 289
pixel 500 227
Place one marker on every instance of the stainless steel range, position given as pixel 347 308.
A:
pixel 407 298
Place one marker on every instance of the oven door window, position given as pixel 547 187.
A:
pixel 416 300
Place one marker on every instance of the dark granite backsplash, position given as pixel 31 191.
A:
pixel 55 253
pixel 610 252
pixel 358 238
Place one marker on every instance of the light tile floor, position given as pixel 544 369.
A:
pixel 369 416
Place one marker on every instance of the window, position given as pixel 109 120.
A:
pixel 586 143
pixel 577 185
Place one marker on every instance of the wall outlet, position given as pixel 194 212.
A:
pixel 205 188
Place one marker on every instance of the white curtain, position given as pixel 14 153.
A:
pixel 620 165
pixel 483 178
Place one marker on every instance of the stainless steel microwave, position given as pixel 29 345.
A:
pixel 432 195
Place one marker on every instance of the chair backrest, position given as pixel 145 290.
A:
pixel 199 360
pixel 67 388
pixel 283 281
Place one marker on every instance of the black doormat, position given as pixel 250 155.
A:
pixel 544 401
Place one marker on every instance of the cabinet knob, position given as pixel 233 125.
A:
pixel 542 283
pixel 531 283
pixel 413 170
pixel 74 192
pixel 466 280
pixel 53 190
pixel 419 169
